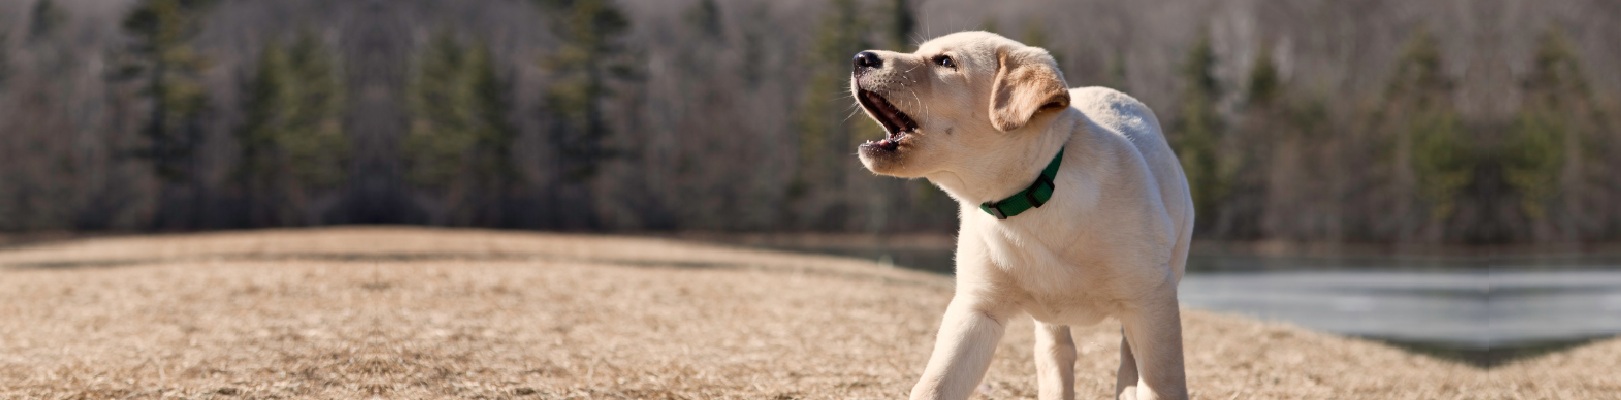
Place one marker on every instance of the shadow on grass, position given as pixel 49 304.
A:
pixel 1487 357
pixel 368 258
pixel 474 257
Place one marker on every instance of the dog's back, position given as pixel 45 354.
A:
pixel 1123 115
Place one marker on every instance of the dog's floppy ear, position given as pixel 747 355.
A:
pixel 1027 82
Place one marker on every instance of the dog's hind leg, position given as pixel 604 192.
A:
pixel 1055 362
pixel 1125 381
pixel 1153 333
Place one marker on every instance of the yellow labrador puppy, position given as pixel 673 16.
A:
pixel 1073 208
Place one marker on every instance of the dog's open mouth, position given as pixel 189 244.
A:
pixel 896 123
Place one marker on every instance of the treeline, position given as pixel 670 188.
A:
pixel 1321 121
pixel 1407 165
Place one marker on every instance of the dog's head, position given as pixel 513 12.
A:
pixel 956 96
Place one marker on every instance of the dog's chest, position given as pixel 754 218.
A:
pixel 1051 284
pixel 1073 309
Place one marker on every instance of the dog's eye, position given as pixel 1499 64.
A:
pixel 944 61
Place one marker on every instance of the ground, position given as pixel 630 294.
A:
pixel 408 313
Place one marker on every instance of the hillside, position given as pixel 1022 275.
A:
pixel 422 313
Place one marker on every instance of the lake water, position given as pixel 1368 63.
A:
pixel 1483 311
pixel 1463 309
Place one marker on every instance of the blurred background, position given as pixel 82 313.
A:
pixel 1454 137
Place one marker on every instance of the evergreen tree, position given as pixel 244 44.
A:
pixel 45 19
pixel 590 58
pixel 705 18
pixel 161 56
pixel 267 95
pixel 825 134
pixel 1264 85
pixel 1552 144
pixel 459 144
pixel 442 127
pixel 754 45
pixel 5 60
pixel 315 144
pixel 1198 133
pixel 1266 131
pixel 293 144
pixel 167 71
pixel 1440 159
pixel 902 22
pixel 493 97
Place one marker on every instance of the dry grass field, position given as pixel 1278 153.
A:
pixel 404 313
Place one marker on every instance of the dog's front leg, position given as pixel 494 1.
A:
pixel 1055 362
pixel 962 352
pixel 1153 341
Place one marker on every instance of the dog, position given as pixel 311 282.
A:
pixel 1073 208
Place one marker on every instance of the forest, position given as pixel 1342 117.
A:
pixel 1377 121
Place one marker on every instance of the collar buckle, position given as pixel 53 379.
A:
pixel 995 208
pixel 1030 193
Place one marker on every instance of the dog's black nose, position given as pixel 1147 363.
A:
pixel 868 60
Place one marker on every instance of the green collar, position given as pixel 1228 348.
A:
pixel 1032 197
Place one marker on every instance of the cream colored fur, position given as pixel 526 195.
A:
pixel 1112 241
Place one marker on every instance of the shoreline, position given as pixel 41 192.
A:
pixel 1203 247
pixel 924 240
